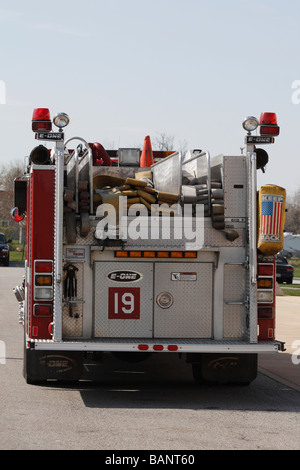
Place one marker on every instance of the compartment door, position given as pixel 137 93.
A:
pixel 183 300
pixel 123 302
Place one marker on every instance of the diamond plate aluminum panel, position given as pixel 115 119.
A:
pixel 72 325
pixel 190 315
pixel 235 186
pixel 212 238
pixel 123 309
pixel 217 238
pixel 234 291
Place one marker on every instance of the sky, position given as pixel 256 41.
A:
pixel 124 69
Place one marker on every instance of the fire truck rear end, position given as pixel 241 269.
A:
pixel 134 252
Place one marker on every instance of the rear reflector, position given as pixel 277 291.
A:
pixel 35 331
pixel 172 347
pixel 143 347
pixel 270 332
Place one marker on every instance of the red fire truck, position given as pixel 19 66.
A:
pixel 135 252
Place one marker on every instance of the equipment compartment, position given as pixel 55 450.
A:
pixel 190 286
pixel 123 300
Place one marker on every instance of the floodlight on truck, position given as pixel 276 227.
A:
pixel 61 120
pixel 250 124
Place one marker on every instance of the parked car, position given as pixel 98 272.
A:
pixel 4 250
pixel 284 271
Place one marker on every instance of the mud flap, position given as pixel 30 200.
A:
pixel 225 368
pixel 40 366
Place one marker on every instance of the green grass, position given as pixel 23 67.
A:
pixel 297 271
pixel 291 292
pixel 16 256
pixel 16 251
pixel 290 289
pixel 296 263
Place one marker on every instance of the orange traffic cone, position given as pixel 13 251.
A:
pixel 147 155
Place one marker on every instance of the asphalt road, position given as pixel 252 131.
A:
pixel 152 406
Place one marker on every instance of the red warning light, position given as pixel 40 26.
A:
pixel 41 121
pixel 268 124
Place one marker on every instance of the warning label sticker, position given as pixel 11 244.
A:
pixel 184 277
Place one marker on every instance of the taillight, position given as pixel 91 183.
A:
pixel 265 313
pixel 42 310
pixel 43 266
pixel 265 269
pixel 268 124
pixel 43 280
pixel 41 121
pixel 266 279
pixel 265 283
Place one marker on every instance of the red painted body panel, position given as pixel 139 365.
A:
pixel 40 241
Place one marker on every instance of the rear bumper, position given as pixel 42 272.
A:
pixel 159 345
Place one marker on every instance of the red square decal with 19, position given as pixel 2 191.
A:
pixel 124 303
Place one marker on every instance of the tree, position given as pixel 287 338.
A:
pixel 7 176
pixel 165 142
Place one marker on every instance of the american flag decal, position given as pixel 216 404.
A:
pixel 271 217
